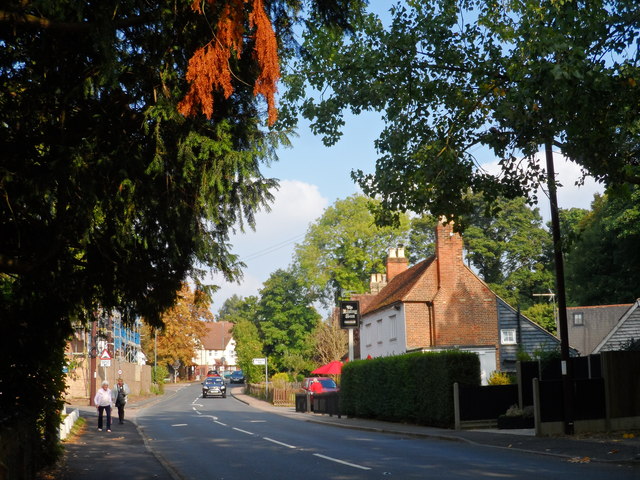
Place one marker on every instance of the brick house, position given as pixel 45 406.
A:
pixel 439 304
pixel 216 350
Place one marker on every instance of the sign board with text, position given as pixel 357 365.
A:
pixel 349 314
pixel 259 361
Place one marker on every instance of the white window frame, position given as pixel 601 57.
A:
pixel 508 336
pixel 576 316
pixel 393 328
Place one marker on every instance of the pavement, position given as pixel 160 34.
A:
pixel 125 451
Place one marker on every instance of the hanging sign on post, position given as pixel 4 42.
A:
pixel 349 314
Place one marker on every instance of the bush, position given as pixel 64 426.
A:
pixel 499 378
pixel 416 387
pixel 158 374
pixel 280 380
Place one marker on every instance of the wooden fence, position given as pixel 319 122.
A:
pixel 277 395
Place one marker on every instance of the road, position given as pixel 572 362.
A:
pixel 225 439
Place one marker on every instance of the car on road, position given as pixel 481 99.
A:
pixel 326 385
pixel 237 377
pixel 214 387
pixel 213 373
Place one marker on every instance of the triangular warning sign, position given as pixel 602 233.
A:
pixel 105 355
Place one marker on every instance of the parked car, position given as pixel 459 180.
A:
pixel 326 385
pixel 226 375
pixel 214 387
pixel 237 377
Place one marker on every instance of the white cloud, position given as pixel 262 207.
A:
pixel 569 194
pixel 271 245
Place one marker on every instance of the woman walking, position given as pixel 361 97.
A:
pixel 103 404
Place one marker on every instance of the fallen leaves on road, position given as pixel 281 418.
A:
pixel 580 460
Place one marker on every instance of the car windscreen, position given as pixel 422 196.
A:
pixel 213 381
pixel 327 383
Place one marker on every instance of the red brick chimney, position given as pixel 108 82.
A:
pixel 396 262
pixel 448 253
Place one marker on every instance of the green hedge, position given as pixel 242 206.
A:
pixel 415 388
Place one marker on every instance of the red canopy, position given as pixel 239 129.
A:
pixel 331 368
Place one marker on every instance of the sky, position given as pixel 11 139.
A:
pixel 312 177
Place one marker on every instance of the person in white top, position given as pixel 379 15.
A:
pixel 103 404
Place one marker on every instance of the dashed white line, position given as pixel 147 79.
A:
pixel 342 462
pixel 277 442
pixel 220 423
pixel 179 425
pixel 243 431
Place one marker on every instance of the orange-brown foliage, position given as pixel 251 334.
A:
pixel 209 68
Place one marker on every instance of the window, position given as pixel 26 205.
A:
pixel 578 319
pixel 508 336
pixel 393 328
pixel 379 331
pixel 367 334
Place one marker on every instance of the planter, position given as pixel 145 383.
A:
pixel 505 422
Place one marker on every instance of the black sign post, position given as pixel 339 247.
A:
pixel 350 319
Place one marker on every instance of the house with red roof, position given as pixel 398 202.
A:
pixel 439 304
pixel 216 350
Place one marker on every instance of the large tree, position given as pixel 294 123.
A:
pixel 451 77
pixel 603 264
pixel 344 247
pixel 286 319
pixel 115 188
pixel 183 327
pixel 508 245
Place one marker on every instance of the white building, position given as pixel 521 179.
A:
pixel 216 350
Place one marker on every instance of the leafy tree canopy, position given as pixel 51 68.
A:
pixel 111 196
pixel 603 264
pixel 286 318
pixel 450 77
pixel 344 247
pixel 183 327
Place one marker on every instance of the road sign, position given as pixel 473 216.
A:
pixel 349 314
pixel 259 361
pixel 105 355
pixel 105 363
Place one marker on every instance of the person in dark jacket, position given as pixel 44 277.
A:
pixel 119 396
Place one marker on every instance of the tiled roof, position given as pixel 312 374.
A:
pixel 217 336
pixel 399 287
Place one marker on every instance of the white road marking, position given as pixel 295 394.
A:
pixel 220 423
pixel 257 421
pixel 179 425
pixel 342 462
pixel 243 431
pixel 279 443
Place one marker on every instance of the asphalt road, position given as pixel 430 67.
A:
pixel 225 439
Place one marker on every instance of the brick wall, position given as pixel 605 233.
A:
pixel 464 308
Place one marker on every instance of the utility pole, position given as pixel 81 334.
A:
pixel 567 374
pixel 93 352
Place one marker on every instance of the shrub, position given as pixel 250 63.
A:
pixel 280 380
pixel 499 378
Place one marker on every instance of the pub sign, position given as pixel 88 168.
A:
pixel 349 314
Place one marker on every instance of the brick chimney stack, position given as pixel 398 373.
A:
pixel 449 247
pixel 396 262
